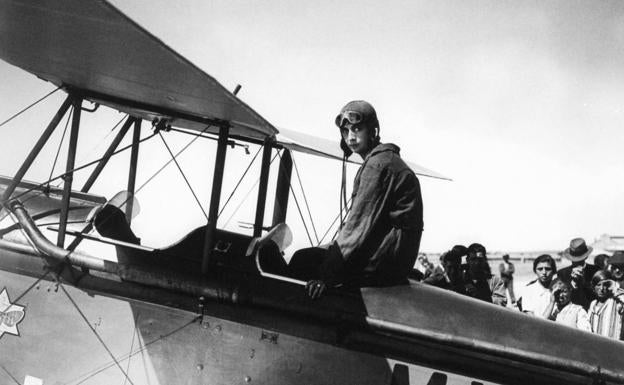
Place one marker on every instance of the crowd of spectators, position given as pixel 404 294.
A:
pixel 585 296
pixel 473 278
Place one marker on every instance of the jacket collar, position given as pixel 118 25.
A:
pixel 382 147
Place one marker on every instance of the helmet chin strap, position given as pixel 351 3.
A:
pixel 374 140
pixel 343 190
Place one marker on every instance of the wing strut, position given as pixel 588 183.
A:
pixel 96 173
pixel 69 177
pixel 215 197
pixel 134 157
pixel 262 187
pixel 282 189
pixel 36 149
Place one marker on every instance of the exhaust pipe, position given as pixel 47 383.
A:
pixel 144 275
pixel 50 250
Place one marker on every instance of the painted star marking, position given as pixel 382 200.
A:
pixel 10 315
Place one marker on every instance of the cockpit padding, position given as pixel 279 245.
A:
pixel 186 255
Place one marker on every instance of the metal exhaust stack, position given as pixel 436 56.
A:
pixel 138 274
pixel 50 250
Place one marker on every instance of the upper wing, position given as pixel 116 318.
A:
pixel 94 48
pixel 298 141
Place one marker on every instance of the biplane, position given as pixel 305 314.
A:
pixel 209 309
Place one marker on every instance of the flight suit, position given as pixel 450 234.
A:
pixel 379 241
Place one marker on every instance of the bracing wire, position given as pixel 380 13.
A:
pixel 240 180
pixel 10 375
pixel 114 153
pixel 334 222
pixel 58 150
pixel 344 204
pixel 165 165
pixel 305 226
pixel 241 203
pixel 246 195
pixel 141 349
pixel 336 233
pixel 99 142
pixel 173 158
pixel 183 175
pixel 305 200
pixel 50 179
pixel 343 197
pixel 116 125
pixel 40 185
pixel 134 334
pixel 84 317
pixel 27 108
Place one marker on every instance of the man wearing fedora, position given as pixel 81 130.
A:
pixel 579 273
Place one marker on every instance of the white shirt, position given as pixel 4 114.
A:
pixel 535 298
pixel 574 316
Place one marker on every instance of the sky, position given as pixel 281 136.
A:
pixel 521 103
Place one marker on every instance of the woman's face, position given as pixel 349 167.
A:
pixel 544 272
pixel 603 289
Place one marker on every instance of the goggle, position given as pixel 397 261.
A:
pixel 479 255
pixel 352 117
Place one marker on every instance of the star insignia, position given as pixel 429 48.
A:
pixel 10 315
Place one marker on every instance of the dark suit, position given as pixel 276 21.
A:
pixel 583 295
